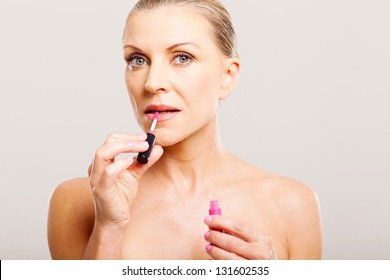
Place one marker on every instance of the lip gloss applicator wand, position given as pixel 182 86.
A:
pixel 143 157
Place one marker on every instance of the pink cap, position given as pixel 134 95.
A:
pixel 214 208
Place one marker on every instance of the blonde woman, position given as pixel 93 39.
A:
pixel 181 61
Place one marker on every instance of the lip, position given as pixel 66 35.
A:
pixel 166 112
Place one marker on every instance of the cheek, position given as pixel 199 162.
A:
pixel 204 89
pixel 135 88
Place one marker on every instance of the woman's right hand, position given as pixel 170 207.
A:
pixel 114 182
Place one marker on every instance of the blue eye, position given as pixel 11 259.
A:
pixel 182 59
pixel 136 61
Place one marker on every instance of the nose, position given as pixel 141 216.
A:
pixel 157 80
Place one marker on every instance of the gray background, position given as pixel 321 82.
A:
pixel 312 103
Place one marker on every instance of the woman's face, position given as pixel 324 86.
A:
pixel 174 67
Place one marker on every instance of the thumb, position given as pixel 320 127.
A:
pixel 137 169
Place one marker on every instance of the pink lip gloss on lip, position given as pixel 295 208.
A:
pixel 143 157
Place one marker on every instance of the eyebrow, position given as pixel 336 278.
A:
pixel 169 48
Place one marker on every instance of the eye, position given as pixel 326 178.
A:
pixel 136 61
pixel 182 59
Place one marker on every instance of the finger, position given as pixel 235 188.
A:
pixel 106 154
pixel 231 244
pixel 119 137
pixel 111 172
pixel 115 137
pixel 232 226
pixel 240 238
pixel 109 151
pixel 137 169
pixel 220 254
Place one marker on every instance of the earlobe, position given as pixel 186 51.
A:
pixel 231 75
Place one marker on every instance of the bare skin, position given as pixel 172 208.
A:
pixel 169 223
pixel 125 210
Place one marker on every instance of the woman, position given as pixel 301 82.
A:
pixel 181 62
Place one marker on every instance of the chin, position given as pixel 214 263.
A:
pixel 169 138
pixel 166 142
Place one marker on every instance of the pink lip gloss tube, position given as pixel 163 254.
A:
pixel 214 208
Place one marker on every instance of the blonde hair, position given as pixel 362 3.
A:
pixel 212 10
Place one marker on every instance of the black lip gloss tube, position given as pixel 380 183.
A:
pixel 143 157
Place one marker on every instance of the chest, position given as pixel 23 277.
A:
pixel 165 231
pixel 174 229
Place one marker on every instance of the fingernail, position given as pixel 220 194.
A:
pixel 144 143
pixel 206 235
pixel 208 219
pixel 208 247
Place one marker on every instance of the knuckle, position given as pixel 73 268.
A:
pixel 238 225
pixel 110 138
pixel 108 172
pixel 99 153
pixel 233 245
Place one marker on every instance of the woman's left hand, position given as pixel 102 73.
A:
pixel 231 239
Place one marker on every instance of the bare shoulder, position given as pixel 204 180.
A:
pixel 288 194
pixel 70 219
pixel 296 205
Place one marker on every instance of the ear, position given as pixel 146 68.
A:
pixel 230 78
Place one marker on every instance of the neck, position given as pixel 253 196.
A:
pixel 193 162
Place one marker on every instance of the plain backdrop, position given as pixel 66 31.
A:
pixel 312 104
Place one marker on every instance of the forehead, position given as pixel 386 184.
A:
pixel 168 25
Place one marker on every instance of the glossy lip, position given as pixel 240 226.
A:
pixel 165 112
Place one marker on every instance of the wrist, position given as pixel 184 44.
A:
pixel 116 228
pixel 106 242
